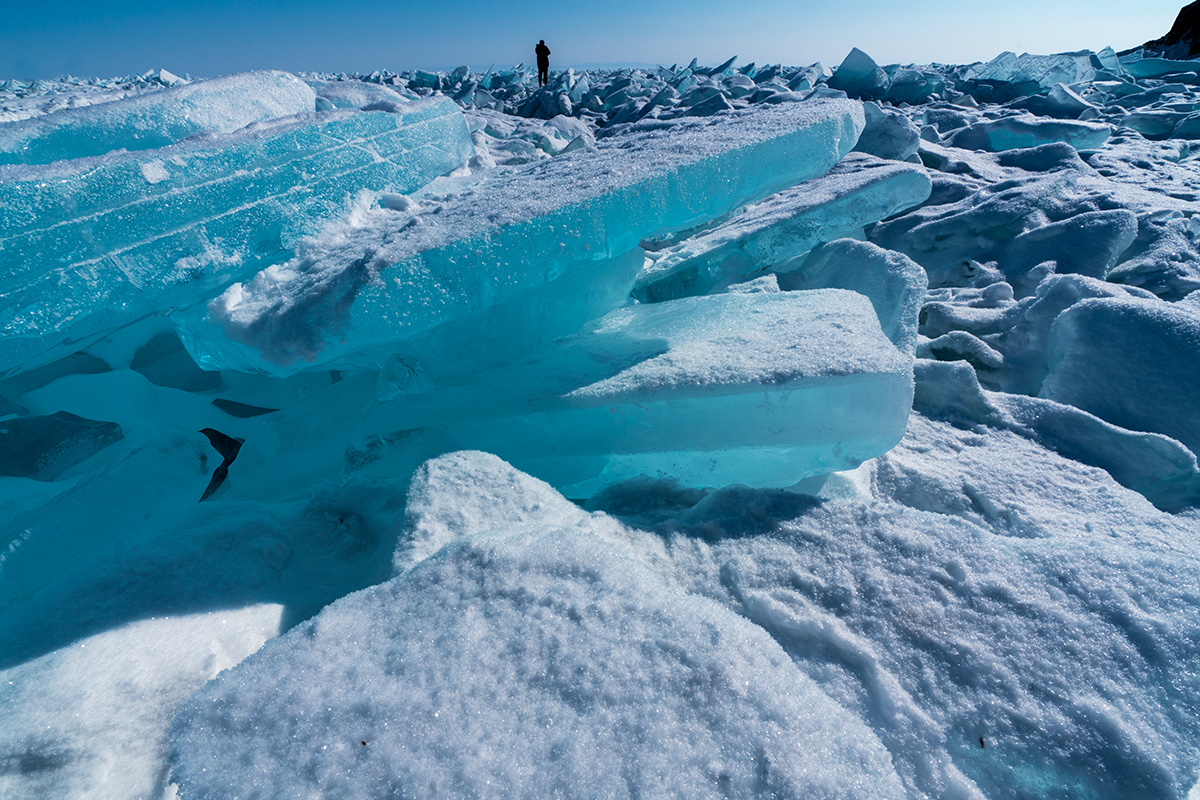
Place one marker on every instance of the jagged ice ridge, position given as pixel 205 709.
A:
pixel 729 431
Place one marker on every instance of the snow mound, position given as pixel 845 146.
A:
pixel 526 660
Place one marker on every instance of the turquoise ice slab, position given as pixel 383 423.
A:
pixel 862 189
pixel 156 119
pixel 133 500
pixel 1026 130
pixel 1157 67
pixel 90 245
pixel 523 241
pixel 759 389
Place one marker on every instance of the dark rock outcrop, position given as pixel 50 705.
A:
pixel 1182 42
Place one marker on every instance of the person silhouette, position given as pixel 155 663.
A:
pixel 543 62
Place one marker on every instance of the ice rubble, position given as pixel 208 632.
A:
pixel 1003 604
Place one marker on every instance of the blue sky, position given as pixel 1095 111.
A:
pixel 42 39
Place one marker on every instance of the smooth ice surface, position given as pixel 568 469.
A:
pixel 1011 133
pixel 530 237
pixel 860 190
pixel 561 666
pixel 1157 67
pixel 92 245
pixel 156 119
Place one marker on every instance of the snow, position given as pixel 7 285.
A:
pixel 722 431
pixel 1092 343
pixel 137 676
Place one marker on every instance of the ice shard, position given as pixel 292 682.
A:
pixel 862 189
pixel 557 239
pixel 42 447
pixel 1042 70
pixel 860 76
pixel 90 245
pixel 893 282
pixel 156 119
pixel 888 134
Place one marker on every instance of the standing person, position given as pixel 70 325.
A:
pixel 543 61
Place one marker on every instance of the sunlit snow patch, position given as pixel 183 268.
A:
pixel 90 720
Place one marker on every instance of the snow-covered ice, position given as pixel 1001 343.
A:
pixel 735 430
pixel 524 660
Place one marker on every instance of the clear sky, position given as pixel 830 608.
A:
pixel 120 37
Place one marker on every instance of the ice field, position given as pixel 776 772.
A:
pixel 733 431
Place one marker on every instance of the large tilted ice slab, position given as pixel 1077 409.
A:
pixel 532 657
pixel 1157 67
pixel 547 247
pixel 91 245
pixel 862 189
pixel 759 389
pixel 156 119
